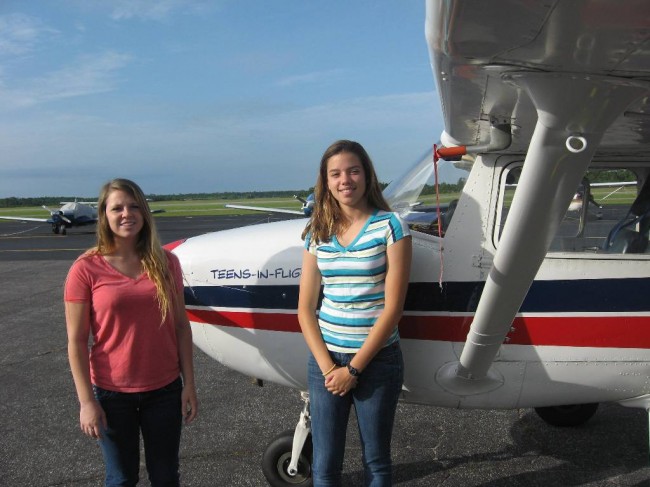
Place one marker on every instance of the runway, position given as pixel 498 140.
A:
pixel 41 445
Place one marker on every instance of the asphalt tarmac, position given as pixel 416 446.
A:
pixel 41 445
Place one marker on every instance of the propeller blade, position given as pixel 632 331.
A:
pixel 57 214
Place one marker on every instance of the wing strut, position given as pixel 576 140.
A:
pixel 573 113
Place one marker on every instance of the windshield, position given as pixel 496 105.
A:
pixel 403 193
pixel 413 195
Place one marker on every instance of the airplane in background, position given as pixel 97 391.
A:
pixel 425 216
pixel 515 306
pixel 71 214
pixel 305 210
pixel 585 193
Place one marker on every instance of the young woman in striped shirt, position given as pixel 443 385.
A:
pixel 360 252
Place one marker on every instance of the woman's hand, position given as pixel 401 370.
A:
pixel 189 403
pixel 339 382
pixel 92 419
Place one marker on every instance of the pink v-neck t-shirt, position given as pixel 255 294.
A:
pixel 132 349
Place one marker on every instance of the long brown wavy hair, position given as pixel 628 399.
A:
pixel 327 218
pixel 148 247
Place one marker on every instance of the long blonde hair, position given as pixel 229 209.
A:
pixel 148 247
pixel 327 218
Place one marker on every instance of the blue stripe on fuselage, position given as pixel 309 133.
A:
pixel 585 295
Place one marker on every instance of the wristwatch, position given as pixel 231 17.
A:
pixel 353 372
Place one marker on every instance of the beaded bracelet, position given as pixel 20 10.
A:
pixel 331 369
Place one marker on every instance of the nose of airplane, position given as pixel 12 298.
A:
pixel 241 296
pixel 172 245
pixel 257 255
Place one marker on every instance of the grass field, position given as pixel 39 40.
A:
pixel 202 207
pixel 218 207
pixel 178 208
pixel 603 196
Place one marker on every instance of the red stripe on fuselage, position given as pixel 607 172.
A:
pixel 563 331
pixel 238 319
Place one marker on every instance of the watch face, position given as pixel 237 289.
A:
pixel 353 371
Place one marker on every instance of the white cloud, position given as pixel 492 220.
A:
pixel 19 34
pixel 91 74
pixel 156 10
pixel 315 77
pixel 246 150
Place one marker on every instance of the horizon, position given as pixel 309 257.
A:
pixel 254 193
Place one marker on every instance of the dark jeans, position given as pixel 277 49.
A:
pixel 375 401
pixel 158 415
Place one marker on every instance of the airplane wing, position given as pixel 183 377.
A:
pixel 561 83
pixel 24 219
pixel 613 184
pixel 267 210
pixel 493 62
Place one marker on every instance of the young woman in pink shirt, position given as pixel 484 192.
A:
pixel 137 377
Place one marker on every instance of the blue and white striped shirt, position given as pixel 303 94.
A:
pixel 354 278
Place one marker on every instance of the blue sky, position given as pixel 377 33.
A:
pixel 202 96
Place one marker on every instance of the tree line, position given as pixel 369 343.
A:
pixel 54 201
pixel 13 202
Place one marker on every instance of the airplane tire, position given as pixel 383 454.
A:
pixel 567 416
pixel 277 456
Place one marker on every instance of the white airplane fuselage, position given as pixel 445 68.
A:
pixel 581 335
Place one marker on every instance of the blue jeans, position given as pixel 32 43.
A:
pixel 158 414
pixel 375 401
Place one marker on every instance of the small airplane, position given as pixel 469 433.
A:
pixel 418 213
pixel 516 304
pixel 305 210
pixel 585 193
pixel 71 214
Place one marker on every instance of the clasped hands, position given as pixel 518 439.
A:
pixel 339 381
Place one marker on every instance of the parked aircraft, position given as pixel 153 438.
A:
pixel 517 306
pixel 305 210
pixel 71 214
pixel 418 213
pixel 585 193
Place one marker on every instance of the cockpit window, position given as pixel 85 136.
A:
pixel 609 212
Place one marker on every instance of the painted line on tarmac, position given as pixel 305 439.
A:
pixel 18 235
pixel 15 236
pixel 43 250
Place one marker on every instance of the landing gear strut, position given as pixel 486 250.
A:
pixel 56 228
pixel 287 460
